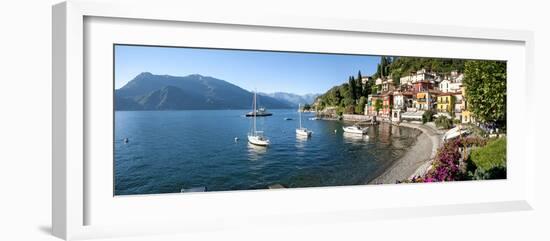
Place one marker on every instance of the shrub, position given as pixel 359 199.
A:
pixel 497 172
pixel 427 116
pixel 447 162
pixel 490 160
pixel 349 109
pixel 473 141
pixel 449 165
pixel 443 122
pixel 340 111
pixel 476 130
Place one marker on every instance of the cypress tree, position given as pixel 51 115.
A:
pixel 359 85
pixel 352 88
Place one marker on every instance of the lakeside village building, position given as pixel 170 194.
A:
pixel 418 92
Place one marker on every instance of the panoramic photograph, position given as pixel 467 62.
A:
pixel 203 119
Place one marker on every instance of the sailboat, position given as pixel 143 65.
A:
pixel 256 137
pixel 302 131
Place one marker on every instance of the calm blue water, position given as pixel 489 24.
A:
pixel 170 150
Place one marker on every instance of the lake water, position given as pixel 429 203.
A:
pixel 171 150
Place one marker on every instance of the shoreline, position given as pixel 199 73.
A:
pixel 417 160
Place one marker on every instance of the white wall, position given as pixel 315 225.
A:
pixel 25 133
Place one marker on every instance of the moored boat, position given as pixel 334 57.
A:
pixel 355 129
pixel 258 112
pixel 302 131
pixel 256 137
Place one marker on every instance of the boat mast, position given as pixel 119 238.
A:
pixel 300 113
pixel 254 111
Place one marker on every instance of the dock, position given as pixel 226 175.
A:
pixel 352 117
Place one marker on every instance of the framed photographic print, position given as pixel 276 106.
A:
pixel 195 132
pixel 179 121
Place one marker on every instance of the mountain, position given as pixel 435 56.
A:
pixel 293 99
pixel 164 92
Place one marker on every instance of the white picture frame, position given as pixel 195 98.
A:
pixel 73 189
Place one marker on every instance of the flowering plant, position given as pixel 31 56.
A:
pixel 449 164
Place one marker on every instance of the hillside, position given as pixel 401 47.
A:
pixel 293 99
pixel 164 92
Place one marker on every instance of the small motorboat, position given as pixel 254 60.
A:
pixel 355 129
pixel 287 118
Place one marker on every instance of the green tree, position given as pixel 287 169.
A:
pixel 345 92
pixel 427 116
pixel 383 66
pixel 396 76
pixel 443 122
pixel 352 88
pixel 359 90
pixel 332 97
pixel 377 73
pixel 360 107
pixel 485 83
pixel 367 88
pixel 374 89
pixel 378 105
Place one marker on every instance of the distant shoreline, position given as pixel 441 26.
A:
pixel 417 159
pixel 245 109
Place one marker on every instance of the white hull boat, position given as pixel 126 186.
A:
pixel 302 131
pixel 455 132
pixel 355 129
pixel 256 137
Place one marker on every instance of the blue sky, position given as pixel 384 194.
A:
pixel 264 71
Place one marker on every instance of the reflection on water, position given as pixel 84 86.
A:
pixel 396 132
pixel 171 150
pixel 384 133
pixel 301 142
pixel 302 138
pixel 354 138
pixel 256 152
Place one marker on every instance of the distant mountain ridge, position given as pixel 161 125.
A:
pixel 165 92
pixel 293 99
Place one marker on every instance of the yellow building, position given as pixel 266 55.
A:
pixel 467 116
pixel 445 102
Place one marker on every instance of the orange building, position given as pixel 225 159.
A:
pixel 387 104
pixel 371 103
